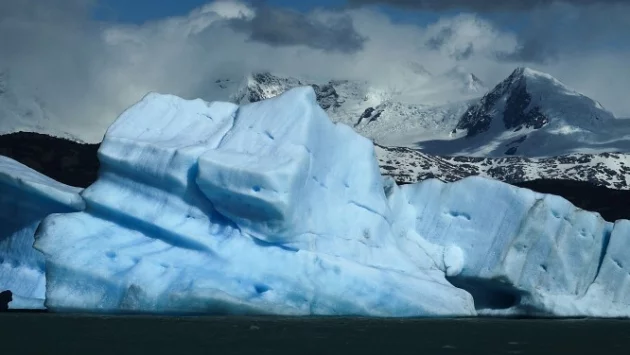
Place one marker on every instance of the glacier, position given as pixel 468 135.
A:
pixel 26 197
pixel 271 208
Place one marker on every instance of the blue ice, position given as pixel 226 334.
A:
pixel 26 197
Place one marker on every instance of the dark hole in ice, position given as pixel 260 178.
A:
pixel 488 294
pixel 261 288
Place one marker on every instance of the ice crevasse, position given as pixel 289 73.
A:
pixel 270 208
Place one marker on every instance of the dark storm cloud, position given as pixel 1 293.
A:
pixel 560 31
pixel 478 5
pixel 281 27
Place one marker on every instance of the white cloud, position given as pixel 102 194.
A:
pixel 88 72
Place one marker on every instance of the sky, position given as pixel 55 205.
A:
pixel 87 60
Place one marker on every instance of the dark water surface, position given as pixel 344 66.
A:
pixel 46 333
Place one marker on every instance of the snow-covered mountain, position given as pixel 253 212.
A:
pixel 426 105
pixel 531 114
pixel 531 99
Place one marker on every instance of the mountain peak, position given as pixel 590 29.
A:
pixel 258 86
pixel 532 99
pixel 526 73
pixel 263 85
pixel 468 81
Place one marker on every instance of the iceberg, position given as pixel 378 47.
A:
pixel 526 252
pixel 266 208
pixel 270 208
pixel 26 197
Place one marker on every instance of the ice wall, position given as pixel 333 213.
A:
pixel 525 252
pixel 26 197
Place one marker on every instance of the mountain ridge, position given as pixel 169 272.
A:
pixel 529 113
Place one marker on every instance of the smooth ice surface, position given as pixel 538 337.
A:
pixel 26 197
pixel 264 208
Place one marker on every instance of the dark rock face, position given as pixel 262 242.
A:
pixel 66 161
pixel 268 85
pixel 327 96
pixel 367 113
pixel 255 93
pixel 477 118
pixel 371 114
pixel 517 112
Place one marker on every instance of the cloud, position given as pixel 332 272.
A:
pixel 462 36
pixel 440 39
pixel 466 53
pixel 49 48
pixel 478 5
pixel 86 72
pixel 281 27
pixel 562 30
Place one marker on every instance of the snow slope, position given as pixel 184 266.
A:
pixel 26 197
pixel 271 208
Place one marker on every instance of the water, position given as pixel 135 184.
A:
pixel 46 333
